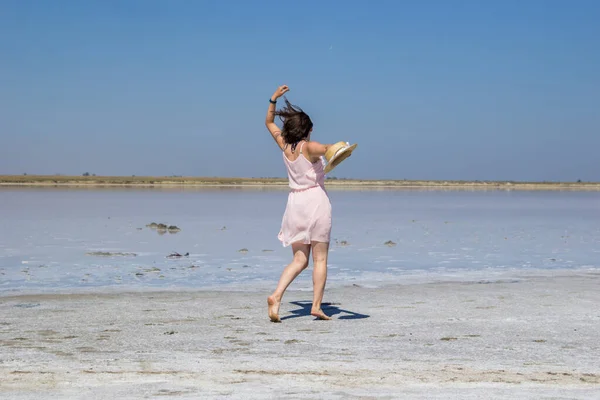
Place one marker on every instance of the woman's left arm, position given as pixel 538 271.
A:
pixel 316 150
pixel 270 120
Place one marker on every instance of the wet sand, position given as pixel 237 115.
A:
pixel 531 338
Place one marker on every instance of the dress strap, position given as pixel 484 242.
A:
pixel 301 146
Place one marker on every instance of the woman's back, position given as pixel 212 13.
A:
pixel 302 173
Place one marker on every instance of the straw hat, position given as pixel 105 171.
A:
pixel 337 153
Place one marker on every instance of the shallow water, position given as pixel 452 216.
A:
pixel 47 234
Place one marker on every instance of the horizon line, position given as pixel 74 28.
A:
pixel 8 178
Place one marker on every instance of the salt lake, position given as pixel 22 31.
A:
pixel 57 239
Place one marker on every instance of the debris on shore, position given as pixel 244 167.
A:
pixel 177 255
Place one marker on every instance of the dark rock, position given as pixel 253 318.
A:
pixel 177 255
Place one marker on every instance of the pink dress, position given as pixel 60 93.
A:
pixel 307 216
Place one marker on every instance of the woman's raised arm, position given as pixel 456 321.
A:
pixel 270 119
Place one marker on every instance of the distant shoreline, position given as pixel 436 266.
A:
pixel 150 181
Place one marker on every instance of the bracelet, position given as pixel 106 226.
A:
pixel 272 102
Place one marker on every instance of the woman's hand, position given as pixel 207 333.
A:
pixel 281 90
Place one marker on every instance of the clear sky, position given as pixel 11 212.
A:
pixel 503 90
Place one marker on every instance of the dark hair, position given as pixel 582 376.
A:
pixel 296 124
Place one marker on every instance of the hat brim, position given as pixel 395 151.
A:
pixel 340 156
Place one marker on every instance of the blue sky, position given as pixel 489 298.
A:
pixel 429 89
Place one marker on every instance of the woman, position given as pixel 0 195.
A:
pixel 306 223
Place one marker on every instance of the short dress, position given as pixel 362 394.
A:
pixel 307 216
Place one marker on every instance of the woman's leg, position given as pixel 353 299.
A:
pixel 320 252
pixel 299 263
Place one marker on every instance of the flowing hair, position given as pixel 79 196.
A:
pixel 296 124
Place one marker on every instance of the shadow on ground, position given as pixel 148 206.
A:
pixel 330 309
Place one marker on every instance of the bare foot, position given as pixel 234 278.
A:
pixel 273 309
pixel 319 314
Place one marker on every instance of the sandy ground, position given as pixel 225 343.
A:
pixel 532 338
